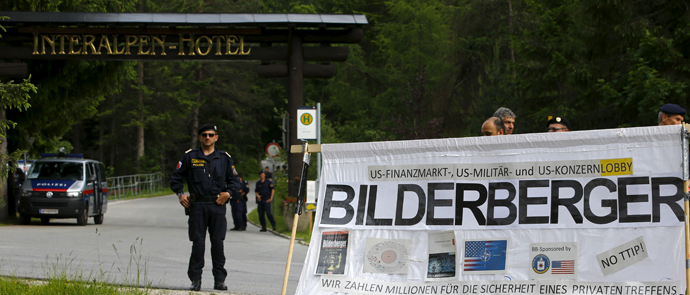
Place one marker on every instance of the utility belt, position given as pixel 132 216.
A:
pixel 212 198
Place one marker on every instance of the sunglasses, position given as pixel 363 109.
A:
pixel 207 134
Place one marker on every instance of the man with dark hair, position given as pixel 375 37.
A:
pixel 508 118
pixel 493 126
pixel 557 124
pixel 211 179
pixel 671 114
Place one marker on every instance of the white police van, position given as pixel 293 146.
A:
pixel 65 186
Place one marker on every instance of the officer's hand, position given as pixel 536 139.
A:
pixel 258 198
pixel 184 201
pixel 224 196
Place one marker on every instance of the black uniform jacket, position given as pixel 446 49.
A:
pixel 206 175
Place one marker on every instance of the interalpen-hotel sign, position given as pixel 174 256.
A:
pixel 118 44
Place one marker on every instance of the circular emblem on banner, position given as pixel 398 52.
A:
pixel 49 195
pixel 388 256
pixel 541 263
pixel 306 119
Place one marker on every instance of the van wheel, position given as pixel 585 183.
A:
pixel 45 220
pixel 98 219
pixel 84 217
pixel 25 219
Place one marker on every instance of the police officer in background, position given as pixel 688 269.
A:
pixel 238 204
pixel 557 124
pixel 211 179
pixel 671 114
pixel 264 194
pixel 269 175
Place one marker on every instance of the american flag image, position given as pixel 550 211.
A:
pixel 563 267
pixel 485 255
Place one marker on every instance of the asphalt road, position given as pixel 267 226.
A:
pixel 145 242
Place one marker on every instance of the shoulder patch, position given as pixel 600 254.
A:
pixel 189 150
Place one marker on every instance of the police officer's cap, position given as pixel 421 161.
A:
pixel 673 109
pixel 558 120
pixel 207 127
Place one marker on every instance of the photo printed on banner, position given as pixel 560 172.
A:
pixel 442 249
pixel 390 256
pixel 333 252
pixel 553 260
pixel 484 256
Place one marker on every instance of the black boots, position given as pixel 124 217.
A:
pixel 196 285
pixel 220 286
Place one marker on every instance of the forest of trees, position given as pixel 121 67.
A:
pixel 425 69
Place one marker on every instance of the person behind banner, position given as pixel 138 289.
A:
pixel 671 114
pixel 493 126
pixel 238 205
pixel 508 118
pixel 211 179
pixel 557 124
pixel 264 194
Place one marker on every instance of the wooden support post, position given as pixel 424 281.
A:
pixel 295 99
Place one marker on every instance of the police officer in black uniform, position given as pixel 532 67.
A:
pixel 238 204
pixel 264 194
pixel 211 179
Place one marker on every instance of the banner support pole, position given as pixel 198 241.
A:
pixel 686 200
pixel 298 211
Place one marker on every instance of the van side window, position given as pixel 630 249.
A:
pixel 101 172
pixel 91 169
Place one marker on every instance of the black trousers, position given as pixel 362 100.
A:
pixel 211 216
pixel 264 208
pixel 239 213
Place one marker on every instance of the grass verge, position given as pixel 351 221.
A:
pixel 64 286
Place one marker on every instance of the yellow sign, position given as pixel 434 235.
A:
pixel 612 167
pixel 306 119
pixel 113 44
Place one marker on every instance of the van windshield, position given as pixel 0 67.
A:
pixel 57 171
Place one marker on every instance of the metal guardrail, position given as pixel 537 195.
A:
pixel 134 185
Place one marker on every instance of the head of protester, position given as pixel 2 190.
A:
pixel 493 126
pixel 508 118
pixel 557 124
pixel 671 114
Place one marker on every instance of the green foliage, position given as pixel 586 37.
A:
pixel 424 69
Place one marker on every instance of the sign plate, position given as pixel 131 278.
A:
pixel 273 149
pixel 307 122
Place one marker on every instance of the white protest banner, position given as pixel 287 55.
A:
pixel 588 190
